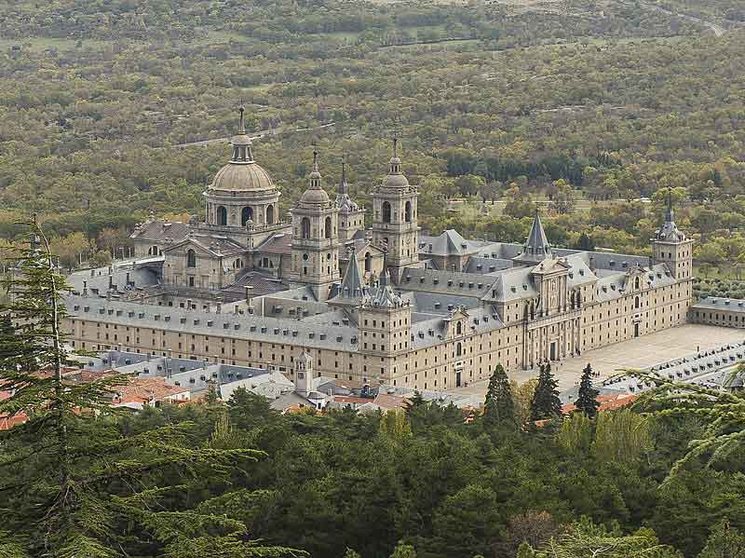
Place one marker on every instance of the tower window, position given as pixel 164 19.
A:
pixel 407 212
pixel 222 215
pixel 368 262
pixel 269 214
pixel 305 228
pixel 246 214
pixel 191 258
pixel 386 212
pixel 327 227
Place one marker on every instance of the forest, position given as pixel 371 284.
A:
pixel 232 479
pixel 586 108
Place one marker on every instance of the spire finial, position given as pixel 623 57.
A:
pixel 343 184
pixel 315 159
pixel 395 143
pixel 241 120
pixel 669 216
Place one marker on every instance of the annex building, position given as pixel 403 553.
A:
pixel 379 305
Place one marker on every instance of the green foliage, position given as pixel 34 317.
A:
pixel 587 539
pixel 499 406
pixel 545 403
pixel 587 402
pixel 621 436
pixel 725 542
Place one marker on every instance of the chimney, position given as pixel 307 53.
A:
pixel 188 304
pixel 218 309
pixel 85 287
pixel 127 283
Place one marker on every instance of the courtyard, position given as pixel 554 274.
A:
pixel 641 352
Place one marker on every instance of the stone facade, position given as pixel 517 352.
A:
pixel 441 312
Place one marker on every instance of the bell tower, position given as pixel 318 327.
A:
pixel 670 246
pixel 315 238
pixel 395 226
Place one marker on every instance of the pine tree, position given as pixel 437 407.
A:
pixel 546 403
pixel 499 407
pixel 587 401
pixel 72 481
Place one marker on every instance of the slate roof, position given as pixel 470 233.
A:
pixel 537 247
pixel 280 244
pixel 719 303
pixel 449 243
pixel 240 326
pixel 161 231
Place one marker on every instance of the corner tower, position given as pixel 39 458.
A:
pixel 395 226
pixel 315 238
pixel 670 246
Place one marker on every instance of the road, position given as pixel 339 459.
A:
pixel 257 135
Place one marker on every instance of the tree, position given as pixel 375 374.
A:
pixel 587 401
pixel 725 542
pixel 403 551
pixel 499 406
pixel 72 482
pixel 586 539
pixel 545 403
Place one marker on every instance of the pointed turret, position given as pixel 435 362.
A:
pixel 352 285
pixel 671 246
pixel 385 296
pixel 537 247
pixel 669 230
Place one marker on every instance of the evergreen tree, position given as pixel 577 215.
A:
pixel 587 401
pixel 74 481
pixel 499 407
pixel 725 542
pixel 546 403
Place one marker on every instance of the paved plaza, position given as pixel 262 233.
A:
pixel 641 352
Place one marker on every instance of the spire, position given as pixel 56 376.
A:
pixel 537 247
pixel 669 232
pixel 241 141
pixel 669 214
pixel 352 285
pixel 385 296
pixel 241 121
pixel 343 186
pixel 315 175
pixel 395 163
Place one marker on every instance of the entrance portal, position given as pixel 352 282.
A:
pixel 457 379
pixel 636 330
pixel 552 351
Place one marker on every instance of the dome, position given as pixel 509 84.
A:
pixel 242 177
pixel 315 196
pixel 395 181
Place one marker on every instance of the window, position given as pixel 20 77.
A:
pixel 222 216
pixel 327 228
pixel 269 214
pixel 247 214
pixel 386 212
pixel 305 228
pixel 407 212
pixel 191 258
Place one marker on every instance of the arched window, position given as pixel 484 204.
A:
pixel 269 214
pixel 407 212
pixel 191 258
pixel 222 216
pixel 459 328
pixel 386 212
pixel 246 214
pixel 305 228
pixel 636 302
pixel 458 349
pixel 368 262
pixel 327 227
pixel 153 251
